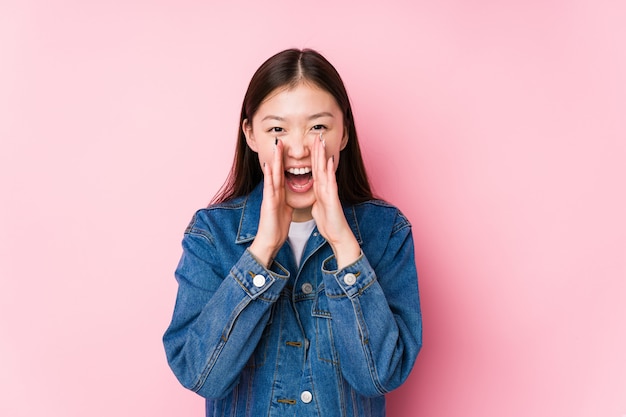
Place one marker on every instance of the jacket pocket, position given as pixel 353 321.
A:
pixel 324 341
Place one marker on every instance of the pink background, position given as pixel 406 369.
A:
pixel 499 128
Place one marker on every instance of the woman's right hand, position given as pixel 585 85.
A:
pixel 275 213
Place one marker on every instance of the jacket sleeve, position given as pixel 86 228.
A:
pixel 217 320
pixel 377 314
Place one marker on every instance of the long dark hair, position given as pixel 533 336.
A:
pixel 287 68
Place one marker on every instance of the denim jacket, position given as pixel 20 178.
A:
pixel 311 340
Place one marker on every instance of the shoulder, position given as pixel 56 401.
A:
pixel 379 214
pixel 216 216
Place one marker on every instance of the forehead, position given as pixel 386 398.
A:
pixel 300 100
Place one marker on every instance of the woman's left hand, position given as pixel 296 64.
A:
pixel 327 210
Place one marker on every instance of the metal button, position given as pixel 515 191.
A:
pixel 306 397
pixel 349 279
pixel 258 280
pixel 307 288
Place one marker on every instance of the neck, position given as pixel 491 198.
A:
pixel 301 215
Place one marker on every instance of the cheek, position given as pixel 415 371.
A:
pixel 265 154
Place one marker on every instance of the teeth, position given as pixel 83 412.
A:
pixel 299 171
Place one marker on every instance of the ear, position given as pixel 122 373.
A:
pixel 344 140
pixel 246 127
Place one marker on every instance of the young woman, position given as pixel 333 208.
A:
pixel 297 288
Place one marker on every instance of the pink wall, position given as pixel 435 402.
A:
pixel 498 128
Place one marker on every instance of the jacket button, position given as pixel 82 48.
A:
pixel 307 288
pixel 258 280
pixel 306 397
pixel 349 279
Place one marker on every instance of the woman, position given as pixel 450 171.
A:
pixel 297 288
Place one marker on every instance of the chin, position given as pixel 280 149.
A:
pixel 300 201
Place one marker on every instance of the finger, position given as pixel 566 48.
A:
pixel 330 165
pixel 317 165
pixel 277 164
pixel 314 159
pixel 331 176
pixel 268 189
pixel 322 153
pixel 318 157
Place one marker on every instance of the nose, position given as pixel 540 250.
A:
pixel 298 146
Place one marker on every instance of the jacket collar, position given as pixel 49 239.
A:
pixel 249 222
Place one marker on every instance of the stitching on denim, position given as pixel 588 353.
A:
pixel 257 296
pixel 201 233
pixel 322 314
pixel 220 346
pixel 371 364
pixel 402 224
pixel 239 238
pixel 316 311
pixel 319 322
pixel 303 297
pixel 341 389
pixel 357 229
pixel 357 294
pixel 336 296
pixel 280 331
pixel 314 391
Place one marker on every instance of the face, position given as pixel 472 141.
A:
pixel 297 116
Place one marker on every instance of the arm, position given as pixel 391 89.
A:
pixel 377 313
pixel 217 321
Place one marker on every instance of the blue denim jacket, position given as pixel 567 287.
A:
pixel 307 341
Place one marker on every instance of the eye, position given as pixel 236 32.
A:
pixel 318 127
pixel 275 129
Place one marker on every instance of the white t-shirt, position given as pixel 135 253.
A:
pixel 298 236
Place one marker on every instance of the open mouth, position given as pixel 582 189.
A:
pixel 299 178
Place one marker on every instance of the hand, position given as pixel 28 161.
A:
pixel 275 213
pixel 327 210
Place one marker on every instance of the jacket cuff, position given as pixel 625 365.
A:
pixel 351 280
pixel 258 281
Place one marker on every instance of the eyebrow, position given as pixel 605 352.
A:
pixel 322 114
pixel 312 117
